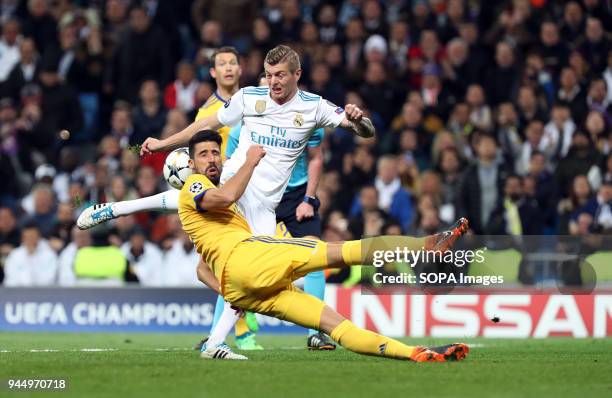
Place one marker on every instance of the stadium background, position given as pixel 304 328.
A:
pixel 83 81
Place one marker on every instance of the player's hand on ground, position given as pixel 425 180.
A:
pixel 353 113
pixel 304 211
pixel 254 154
pixel 149 146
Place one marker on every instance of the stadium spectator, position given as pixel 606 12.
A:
pixel 608 76
pixel 552 49
pixel 13 143
pixel 144 258
pixel 392 198
pixel 573 22
pixel 481 115
pixel 521 213
pixel 329 31
pixel 142 54
pixel 97 188
pixel 60 108
pixel 33 263
pixel 120 190
pixel 43 214
pixel 230 15
pixel 597 99
pixel 449 166
pixel 24 72
pixel 572 93
pixel 9 236
pixel 603 210
pixel 181 93
pixel 480 197
pixel 122 126
pixel 358 168
pixel 40 25
pixel 458 71
pixel 150 114
pixel 378 93
pixel 179 260
pixel 66 275
pixel 96 262
pixel 353 50
pixel 559 131
pixel 543 186
pixel 508 134
pixel 581 193
pixel 323 85
pixel 595 44
pixel 501 83
pixel 62 224
pixel 367 219
pixel 533 143
pixel 9 49
pixel 582 158
pixel 410 153
pixel 529 108
pixel 9 230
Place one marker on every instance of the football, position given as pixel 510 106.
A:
pixel 176 168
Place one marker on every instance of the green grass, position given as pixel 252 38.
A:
pixel 499 368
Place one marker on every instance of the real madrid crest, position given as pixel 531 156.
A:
pixel 260 106
pixel 299 120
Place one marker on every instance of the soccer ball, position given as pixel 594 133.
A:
pixel 176 168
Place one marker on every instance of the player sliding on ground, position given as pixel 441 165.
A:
pixel 264 283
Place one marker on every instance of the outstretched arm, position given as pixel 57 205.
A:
pixel 233 189
pixel 181 138
pixel 356 122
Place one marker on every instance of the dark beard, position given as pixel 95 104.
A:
pixel 215 179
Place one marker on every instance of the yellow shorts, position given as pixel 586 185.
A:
pixel 259 275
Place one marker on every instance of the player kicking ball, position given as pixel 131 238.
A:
pixel 264 284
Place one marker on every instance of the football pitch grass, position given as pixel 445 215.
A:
pixel 162 365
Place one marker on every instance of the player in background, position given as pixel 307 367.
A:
pixel 298 211
pixel 221 234
pixel 225 70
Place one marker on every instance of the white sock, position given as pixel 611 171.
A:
pixel 162 201
pixel 224 326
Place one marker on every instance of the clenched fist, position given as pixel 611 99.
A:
pixel 353 113
pixel 254 154
pixel 150 145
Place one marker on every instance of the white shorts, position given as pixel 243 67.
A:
pixel 257 210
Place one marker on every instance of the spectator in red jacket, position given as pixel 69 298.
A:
pixel 181 93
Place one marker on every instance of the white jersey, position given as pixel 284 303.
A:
pixel 283 131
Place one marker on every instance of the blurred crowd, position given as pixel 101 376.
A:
pixel 499 111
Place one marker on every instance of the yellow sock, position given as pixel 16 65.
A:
pixel 367 342
pixel 351 252
pixel 360 252
pixel 241 327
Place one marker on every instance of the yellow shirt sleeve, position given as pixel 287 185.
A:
pixel 194 190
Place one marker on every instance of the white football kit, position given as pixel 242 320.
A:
pixel 283 131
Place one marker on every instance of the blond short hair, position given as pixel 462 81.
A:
pixel 282 53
